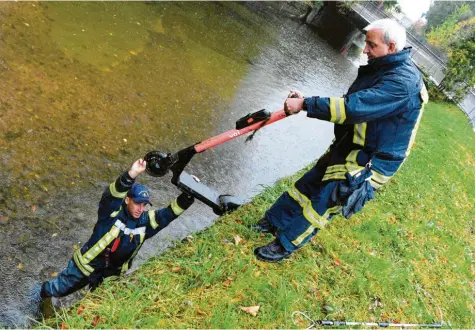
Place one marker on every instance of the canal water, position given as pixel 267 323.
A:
pixel 87 88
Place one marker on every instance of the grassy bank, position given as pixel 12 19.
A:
pixel 408 257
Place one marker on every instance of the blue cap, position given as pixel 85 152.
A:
pixel 139 194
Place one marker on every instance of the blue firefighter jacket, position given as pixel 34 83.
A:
pixel 376 121
pixel 97 258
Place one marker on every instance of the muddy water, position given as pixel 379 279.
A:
pixel 86 88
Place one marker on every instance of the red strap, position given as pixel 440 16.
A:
pixel 116 244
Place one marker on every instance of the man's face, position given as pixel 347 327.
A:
pixel 375 46
pixel 135 209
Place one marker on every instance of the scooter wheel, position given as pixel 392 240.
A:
pixel 158 163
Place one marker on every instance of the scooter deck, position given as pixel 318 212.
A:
pixel 191 185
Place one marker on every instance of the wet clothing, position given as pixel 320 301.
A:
pixel 375 127
pixel 116 239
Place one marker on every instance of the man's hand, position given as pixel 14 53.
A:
pixel 295 95
pixel 137 168
pixel 293 105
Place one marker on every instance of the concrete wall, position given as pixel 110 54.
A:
pixel 335 24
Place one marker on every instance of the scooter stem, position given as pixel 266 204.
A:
pixel 159 163
pixel 234 133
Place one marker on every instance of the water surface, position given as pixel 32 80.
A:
pixel 86 88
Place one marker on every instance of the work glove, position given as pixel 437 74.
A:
pixel 353 193
pixel 185 200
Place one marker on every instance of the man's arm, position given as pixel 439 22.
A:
pixel 381 100
pixel 113 196
pixel 159 219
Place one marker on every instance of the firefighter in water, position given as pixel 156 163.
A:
pixel 375 126
pixel 122 227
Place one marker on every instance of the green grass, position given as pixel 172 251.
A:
pixel 407 257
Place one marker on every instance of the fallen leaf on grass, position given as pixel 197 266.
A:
pixel 95 321
pixel 296 284
pixel 252 310
pixel 176 269
pixel 299 322
pixel 200 312
pixel 80 309
pixel 227 283
pixel 337 262
pixel 237 239
pixel 315 292
pixel 20 266
pixel 63 326
pixel 234 300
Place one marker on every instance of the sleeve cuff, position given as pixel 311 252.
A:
pixel 124 182
pixel 185 201
pixel 317 107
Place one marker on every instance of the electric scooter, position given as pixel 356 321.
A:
pixel 160 163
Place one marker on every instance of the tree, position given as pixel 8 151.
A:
pixel 459 25
pixel 460 70
pixel 441 10
pixel 452 31
pixel 390 5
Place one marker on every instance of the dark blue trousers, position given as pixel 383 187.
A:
pixel 304 209
pixel 69 280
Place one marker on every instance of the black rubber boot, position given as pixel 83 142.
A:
pixel 273 252
pixel 47 308
pixel 264 226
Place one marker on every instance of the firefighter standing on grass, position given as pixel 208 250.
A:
pixel 375 126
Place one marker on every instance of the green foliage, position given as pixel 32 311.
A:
pixel 460 70
pixel 391 6
pixel 441 10
pixel 458 26
pixel 434 93
pixel 455 36
pixel 317 3
pixel 408 257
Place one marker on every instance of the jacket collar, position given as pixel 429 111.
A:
pixel 379 62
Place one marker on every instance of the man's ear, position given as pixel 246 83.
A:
pixel 392 48
pixel 127 200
